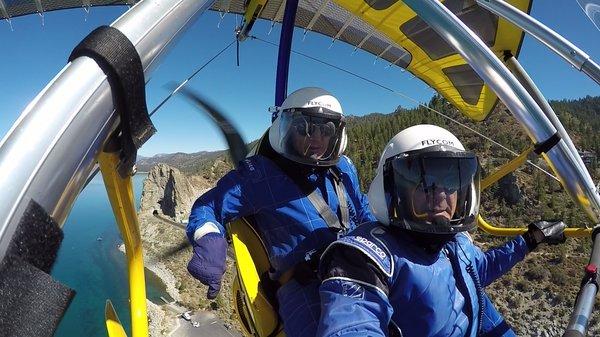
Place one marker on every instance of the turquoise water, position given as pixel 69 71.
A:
pixel 90 263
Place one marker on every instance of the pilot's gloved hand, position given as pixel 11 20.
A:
pixel 550 232
pixel 208 262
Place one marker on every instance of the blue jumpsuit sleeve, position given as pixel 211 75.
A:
pixel 495 262
pixel 360 200
pixel 221 204
pixel 350 309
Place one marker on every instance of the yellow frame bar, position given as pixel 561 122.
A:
pixel 486 227
pixel 505 169
pixel 502 171
pixel 113 324
pixel 120 194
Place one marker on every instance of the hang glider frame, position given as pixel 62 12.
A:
pixel 554 41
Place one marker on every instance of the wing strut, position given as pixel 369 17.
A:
pixel 561 46
pixel 283 58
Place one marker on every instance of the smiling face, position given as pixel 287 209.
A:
pixel 440 204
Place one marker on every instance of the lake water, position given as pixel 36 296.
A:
pixel 90 263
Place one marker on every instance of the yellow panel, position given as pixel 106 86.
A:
pixel 389 20
pixel 251 262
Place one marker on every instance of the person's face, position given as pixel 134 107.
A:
pixel 440 203
pixel 313 145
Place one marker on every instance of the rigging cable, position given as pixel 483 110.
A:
pixel 514 153
pixel 190 77
pixel 97 168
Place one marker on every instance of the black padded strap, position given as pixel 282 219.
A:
pixel 342 261
pixel 546 145
pixel 119 60
pixel 31 302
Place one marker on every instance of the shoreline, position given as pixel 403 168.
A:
pixel 161 272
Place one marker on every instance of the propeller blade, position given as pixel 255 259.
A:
pixel 175 250
pixel 169 221
pixel 237 147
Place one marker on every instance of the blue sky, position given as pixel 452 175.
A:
pixel 32 54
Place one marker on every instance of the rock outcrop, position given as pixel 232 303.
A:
pixel 508 190
pixel 169 192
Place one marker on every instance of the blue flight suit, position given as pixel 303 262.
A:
pixel 377 277
pixel 287 222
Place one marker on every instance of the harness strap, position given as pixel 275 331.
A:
pixel 324 210
pixel 340 190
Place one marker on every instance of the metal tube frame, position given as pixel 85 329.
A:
pixel 37 157
pixel 283 57
pixel 582 310
pixel 495 176
pixel 517 99
pixel 537 95
pixel 561 46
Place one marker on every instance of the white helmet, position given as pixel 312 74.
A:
pixel 309 128
pixel 431 161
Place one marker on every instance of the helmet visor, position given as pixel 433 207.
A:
pixel 311 135
pixel 433 191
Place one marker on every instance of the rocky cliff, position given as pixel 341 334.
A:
pixel 169 192
pixel 166 201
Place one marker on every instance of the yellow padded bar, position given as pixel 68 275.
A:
pixel 497 175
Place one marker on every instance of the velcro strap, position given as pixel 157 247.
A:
pixel 119 60
pixel 546 145
pixel 32 303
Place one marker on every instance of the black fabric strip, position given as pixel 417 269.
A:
pixel 37 238
pixel 119 60
pixel 546 145
pixel 31 302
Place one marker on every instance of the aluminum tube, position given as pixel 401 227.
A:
pixel 592 69
pixel 51 149
pixel 537 95
pixel 584 305
pixel 547 36
pixel 583 309
pixel 511 92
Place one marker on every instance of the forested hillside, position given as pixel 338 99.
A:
pixel 369 134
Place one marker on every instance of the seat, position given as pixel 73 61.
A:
pixel 253 293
